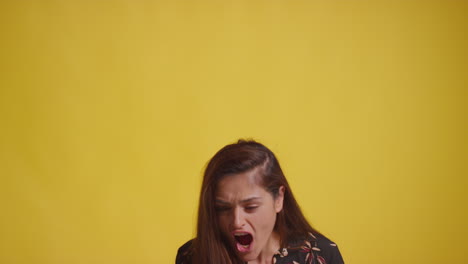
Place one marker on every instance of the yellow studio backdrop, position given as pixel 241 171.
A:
pixel 110 110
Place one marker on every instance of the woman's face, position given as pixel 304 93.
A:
pixel 247 214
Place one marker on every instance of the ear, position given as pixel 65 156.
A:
pixel 279 199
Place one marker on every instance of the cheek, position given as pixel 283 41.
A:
pixel 264 220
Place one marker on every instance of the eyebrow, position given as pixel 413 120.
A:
pixel 251 199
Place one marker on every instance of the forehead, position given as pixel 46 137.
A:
pixel 240 185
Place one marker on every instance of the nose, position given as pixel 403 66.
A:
pixel 238 218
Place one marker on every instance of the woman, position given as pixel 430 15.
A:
pixel 247 213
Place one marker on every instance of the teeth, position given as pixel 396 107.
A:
pixel 241 234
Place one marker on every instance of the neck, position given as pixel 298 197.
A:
pixel 266 255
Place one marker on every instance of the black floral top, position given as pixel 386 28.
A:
pixel 315 250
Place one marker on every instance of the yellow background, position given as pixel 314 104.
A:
pixel 110 110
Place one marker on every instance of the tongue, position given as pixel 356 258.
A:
pixel 244 240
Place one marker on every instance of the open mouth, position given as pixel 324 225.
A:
pixel 244 241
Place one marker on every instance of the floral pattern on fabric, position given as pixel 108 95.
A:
pixel 307 253
pixel 314 250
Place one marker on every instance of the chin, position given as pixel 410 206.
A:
pixel 249 257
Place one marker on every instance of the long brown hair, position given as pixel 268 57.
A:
pixel 210 246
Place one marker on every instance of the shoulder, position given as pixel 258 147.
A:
pixel 328 250
pixel 183 253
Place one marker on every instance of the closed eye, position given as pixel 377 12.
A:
pixel 251 208
pixel 222 209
